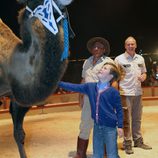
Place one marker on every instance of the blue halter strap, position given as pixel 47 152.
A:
pixel 65 53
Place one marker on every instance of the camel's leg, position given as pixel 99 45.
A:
pixel 18 114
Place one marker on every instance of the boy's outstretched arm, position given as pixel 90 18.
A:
pixel 81 88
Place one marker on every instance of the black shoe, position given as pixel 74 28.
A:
pixel 140 144
pixel 128 147
pixel 143 146
pixel 128 150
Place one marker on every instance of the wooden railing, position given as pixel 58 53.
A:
pixel 55 100
pixel 69 99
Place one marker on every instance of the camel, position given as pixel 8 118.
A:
pixel 31 66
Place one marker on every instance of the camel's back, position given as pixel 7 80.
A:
pixel 8 42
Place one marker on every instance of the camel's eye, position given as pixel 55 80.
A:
pixel 32 59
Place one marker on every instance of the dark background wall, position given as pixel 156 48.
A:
pixel 114 20
pixel 111 19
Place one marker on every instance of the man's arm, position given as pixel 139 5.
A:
pixel 142 77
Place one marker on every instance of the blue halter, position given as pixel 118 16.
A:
pixel 45 14
pixel 65 53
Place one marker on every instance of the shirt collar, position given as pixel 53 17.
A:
pixel 100 59
pixel 103 85
pixel 129 57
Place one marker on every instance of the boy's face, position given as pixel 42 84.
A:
pixel 104 73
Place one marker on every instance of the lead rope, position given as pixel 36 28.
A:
pixel 65 53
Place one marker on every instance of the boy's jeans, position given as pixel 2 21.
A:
pixel 104 135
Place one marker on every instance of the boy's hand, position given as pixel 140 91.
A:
pixel 120 132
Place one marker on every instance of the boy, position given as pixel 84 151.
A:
pixel 106 110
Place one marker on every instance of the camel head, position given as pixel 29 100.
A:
pixel 35 63
pixel 60 3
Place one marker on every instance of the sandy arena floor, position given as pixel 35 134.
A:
pixel 54 135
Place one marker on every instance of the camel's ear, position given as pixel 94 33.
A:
pixel 22 1
pixel 63 2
